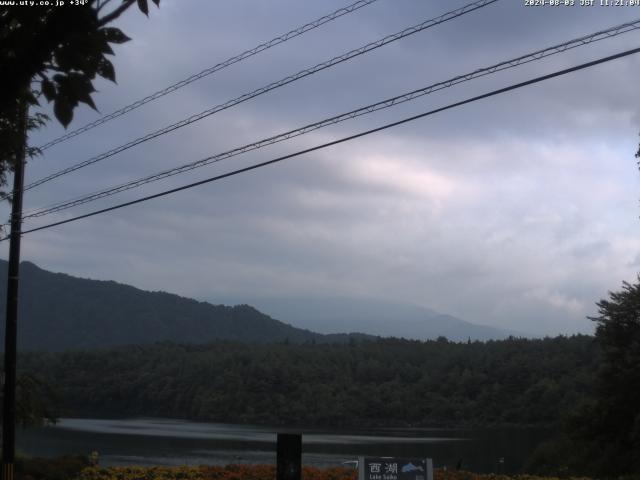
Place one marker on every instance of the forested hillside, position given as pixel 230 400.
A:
pixel 58 312
pixel 392 382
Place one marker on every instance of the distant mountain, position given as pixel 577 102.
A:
pixel 58 312
pixel 375 317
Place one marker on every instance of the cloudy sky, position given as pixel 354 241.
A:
pixel 519 211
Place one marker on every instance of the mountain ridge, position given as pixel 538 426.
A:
pixel 376 317
pixel 76 313
pixel 59 311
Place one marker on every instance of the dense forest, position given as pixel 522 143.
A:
pixel 585 387
pixel 388 381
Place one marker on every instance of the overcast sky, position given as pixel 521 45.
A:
pixel 519 211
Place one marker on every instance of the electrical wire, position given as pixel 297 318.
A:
pixel 381 105
pixel 272 86
pixel 339 141
pixel 208 71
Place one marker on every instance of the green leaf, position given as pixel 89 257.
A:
pixel 31 99
pixel 48 89
pixel 114 35
pixel 89 101
pixel 67 57
pixel 83 56
pixel 106 70
pixel 84 96
pixel 63 111
pixel 144 8
pixel 76 87
pixel 101 45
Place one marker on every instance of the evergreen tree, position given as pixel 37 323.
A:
pixel 615 424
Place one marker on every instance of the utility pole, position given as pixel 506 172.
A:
pixel 11 328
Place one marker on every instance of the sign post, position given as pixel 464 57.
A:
pixel 393 468
pixel 289 456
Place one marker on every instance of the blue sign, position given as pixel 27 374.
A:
pixel 393 468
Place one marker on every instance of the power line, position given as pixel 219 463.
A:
pixel 204 73
pixel 272 86
pixel 341 140
pixel 537 55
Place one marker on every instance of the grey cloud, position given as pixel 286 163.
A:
pixel 518 211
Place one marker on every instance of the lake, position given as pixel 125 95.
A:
pixel 145 441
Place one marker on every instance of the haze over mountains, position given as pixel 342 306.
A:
pixel 374 317
pixel 59 311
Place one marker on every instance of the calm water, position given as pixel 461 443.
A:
pixel 144 441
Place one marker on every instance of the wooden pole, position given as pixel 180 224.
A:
pixel 11 327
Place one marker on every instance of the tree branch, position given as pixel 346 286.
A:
pixel 115 13
pixel 102 4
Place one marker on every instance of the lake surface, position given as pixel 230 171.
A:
pixel 144 441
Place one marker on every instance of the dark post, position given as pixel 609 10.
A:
pixel 289 456
pixel 11 329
